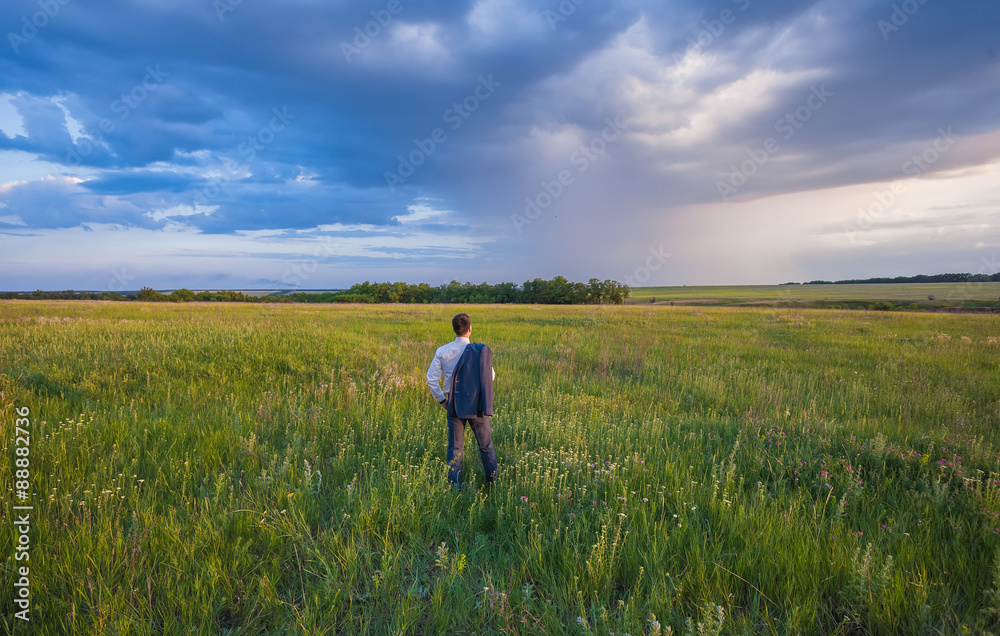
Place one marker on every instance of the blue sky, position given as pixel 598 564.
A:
pixel 228 143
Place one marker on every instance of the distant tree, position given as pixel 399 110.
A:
pixel 148 294
pixel 617 292
pixel 505 293
pixel 595 294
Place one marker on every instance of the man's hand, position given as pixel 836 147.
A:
pixel 444 403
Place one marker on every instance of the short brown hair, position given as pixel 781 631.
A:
pixel 461 324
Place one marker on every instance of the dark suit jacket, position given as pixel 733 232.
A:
pixel 472 383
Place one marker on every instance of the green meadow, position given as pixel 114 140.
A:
pixel 262 469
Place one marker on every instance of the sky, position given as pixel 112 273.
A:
pixel 313 144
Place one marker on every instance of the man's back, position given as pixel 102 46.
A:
pixel 472 383
pixel 443 366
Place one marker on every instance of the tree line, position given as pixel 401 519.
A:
pixel 920 278
pixel 146 294
pixel 558 291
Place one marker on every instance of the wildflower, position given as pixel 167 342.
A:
pixel 654 625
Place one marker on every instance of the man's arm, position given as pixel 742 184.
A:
pixel 434 373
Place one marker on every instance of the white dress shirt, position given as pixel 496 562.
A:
pixel 444 362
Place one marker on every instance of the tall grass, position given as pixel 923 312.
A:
pixel 264 469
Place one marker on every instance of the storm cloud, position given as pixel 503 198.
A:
pixel 495 140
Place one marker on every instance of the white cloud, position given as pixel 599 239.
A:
pixel 306 177
pixel 11 122
pixel 499 21
pixel 182 211
pixel 27 166
pixel 260 234
pixel 413 45
pixel 64 181
pixel 86 258
pixel 421 212
pixel 73 127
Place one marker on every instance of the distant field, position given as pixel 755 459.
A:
pixel 848 296
pixel 259 469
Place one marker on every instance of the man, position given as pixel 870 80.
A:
pixel 472 403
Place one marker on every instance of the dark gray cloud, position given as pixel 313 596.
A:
pixel 141 181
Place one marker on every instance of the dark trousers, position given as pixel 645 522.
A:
pixel 456 442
